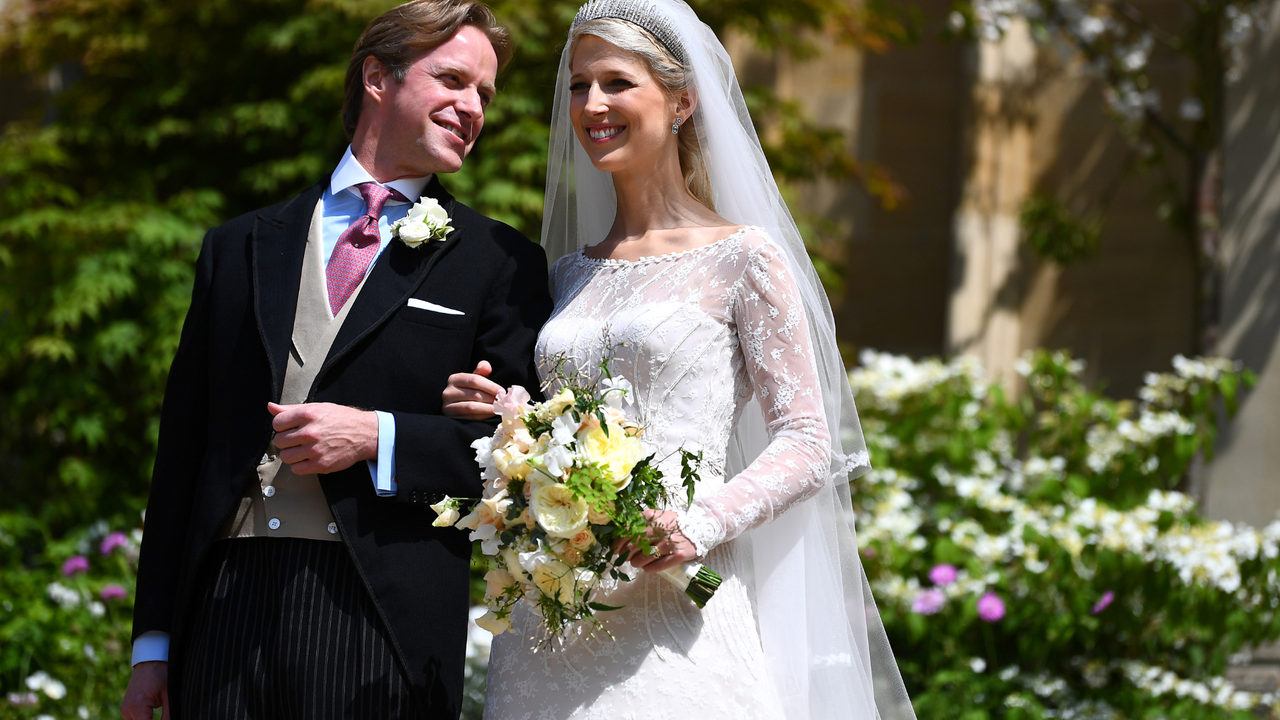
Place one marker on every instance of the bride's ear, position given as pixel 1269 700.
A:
pixel 687 103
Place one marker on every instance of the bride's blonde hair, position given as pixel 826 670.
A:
pixel 674 78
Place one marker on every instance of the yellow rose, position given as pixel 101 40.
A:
pixel 497 581
pixel 583 539
pixel 616 451
pixel 558 511
pixel 556 405
pixel 571 555
pixel 555 580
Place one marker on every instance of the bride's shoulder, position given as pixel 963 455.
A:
pixel 753 244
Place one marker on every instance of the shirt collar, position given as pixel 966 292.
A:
pixel 350 173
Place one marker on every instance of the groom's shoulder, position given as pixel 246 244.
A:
pixel 488 235
pixel 242 225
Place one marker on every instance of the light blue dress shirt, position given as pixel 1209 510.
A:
pixel 340 205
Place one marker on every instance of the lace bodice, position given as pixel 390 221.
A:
pixel 697 333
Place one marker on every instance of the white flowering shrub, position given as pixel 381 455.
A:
pixel 1032 556
pixel 66 612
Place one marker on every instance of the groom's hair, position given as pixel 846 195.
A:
pixel 402 34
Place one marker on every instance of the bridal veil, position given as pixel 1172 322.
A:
pixel 827 651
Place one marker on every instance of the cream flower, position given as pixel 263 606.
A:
pixel 558 512
pixel 447 510
pixel 556 405
pixel 494 624
pixel 615 450
pixel 497 581
pixel 555 579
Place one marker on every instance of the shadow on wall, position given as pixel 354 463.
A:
pixel 1251 209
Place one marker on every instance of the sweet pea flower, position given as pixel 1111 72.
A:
pixel 23 699
pixel 113 592
pixel 113 541
pixel 990 607
pixel 75 564
pixel 1103 602
pixel 929 601
pixel 943 575
pixel 512 403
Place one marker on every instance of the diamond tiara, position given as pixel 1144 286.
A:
pixel 639 12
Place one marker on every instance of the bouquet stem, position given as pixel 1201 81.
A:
pixel 697 581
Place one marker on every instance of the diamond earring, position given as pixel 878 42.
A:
pixel 675 127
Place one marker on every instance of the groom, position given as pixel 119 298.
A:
pixel 289 567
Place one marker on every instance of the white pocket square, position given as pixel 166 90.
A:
pixel 424 305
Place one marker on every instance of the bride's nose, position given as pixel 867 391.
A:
pixel 596 101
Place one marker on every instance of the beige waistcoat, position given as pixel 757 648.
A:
pixel 283 504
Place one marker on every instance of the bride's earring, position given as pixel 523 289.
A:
pixel 675 126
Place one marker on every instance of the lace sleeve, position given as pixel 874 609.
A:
pixel 774 335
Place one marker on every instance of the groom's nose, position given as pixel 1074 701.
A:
pixel 468 105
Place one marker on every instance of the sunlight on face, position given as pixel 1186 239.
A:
pixel 619 110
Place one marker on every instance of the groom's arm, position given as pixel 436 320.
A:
pixel 179 454
pixel 433 457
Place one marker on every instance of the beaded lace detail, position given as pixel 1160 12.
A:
pixel 698 333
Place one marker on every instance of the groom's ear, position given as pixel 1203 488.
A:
pixel 375 77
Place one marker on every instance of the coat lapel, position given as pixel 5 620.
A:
pixel 279 242
pixel 394 278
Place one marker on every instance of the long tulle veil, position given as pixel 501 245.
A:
pixel 826 647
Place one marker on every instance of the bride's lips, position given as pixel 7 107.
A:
pixel 603 133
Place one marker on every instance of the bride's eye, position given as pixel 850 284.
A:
pixel 578 87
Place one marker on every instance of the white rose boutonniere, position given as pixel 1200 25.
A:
pixel 426 222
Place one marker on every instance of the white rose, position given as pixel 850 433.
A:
pixel 413 232
pixel 558 512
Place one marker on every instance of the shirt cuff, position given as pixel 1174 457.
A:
pixel 383 469
pixel 151 646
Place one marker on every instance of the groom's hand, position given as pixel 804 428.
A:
pixel 323 437
pixel 148 689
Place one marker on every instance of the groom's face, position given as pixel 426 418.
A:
pixel 431 120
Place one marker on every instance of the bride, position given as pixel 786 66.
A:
pixel 700 289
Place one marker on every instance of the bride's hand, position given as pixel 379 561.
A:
pixel 671 548
pixel 470 396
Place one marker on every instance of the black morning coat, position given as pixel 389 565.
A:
pixel 215 427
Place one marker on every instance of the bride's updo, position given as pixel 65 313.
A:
pixel 673 76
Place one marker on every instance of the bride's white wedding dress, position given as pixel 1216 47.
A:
pixel 697 333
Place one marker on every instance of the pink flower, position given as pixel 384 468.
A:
pixel 869 552
pixel 27 699
pixel 943 575
pixel 512 403
pixel 1103 602
pixel 929 601
pixel 990 607
pixel 113 541
pixel 113 592
pixel 75 564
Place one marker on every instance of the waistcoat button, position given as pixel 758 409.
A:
pixel 333 528
pixel 274 523
pixel 269 491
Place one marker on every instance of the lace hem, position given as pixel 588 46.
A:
pixel 701 528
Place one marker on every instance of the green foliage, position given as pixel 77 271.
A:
pixel 1121 602
pixel 1055 233
pixel 64 626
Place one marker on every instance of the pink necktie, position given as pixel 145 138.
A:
pixel 357 246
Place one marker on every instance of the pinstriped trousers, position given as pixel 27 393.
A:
pixel 283 628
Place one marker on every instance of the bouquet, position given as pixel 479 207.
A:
pixel 564 481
